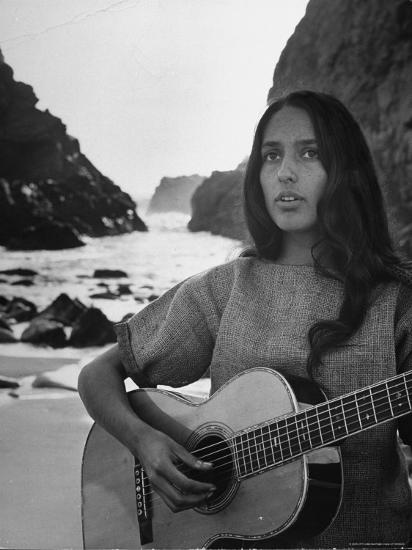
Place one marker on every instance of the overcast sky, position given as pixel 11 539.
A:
pixel 151 88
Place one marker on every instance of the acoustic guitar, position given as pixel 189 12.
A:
pixel 274 444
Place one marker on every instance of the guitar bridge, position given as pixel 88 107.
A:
pixel 143 503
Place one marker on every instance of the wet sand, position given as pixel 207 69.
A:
pixel 42 435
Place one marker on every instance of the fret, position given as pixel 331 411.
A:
pixel 284 442
pixel 364 402
pixel 389 398
pixel 254 465
pixel 373 405
pixel 398 397
pixel 351 414
pixel 340 429
pixel 260 451
pixel 293 435
pixel 383 407
pixel 325 423
pixel 266 445
pixel 243 469
pixel 407 392
pixel 275 444
pixel 303 431
pixel 314 427
pixel 308 429
pixel 331 421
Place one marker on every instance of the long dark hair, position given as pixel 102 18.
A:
pixel 351 216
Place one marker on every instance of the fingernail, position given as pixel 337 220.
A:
pixel 201 464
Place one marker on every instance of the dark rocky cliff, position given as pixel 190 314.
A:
pixel 50 193
pixel 217 205
pixel 174 194
pixel 362 53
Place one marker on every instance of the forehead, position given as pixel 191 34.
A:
pixel 289 124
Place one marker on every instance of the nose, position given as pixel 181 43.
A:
pixel 286 171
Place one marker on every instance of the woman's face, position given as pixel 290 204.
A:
pixel 292 176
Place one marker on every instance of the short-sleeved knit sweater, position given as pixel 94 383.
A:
pixel 250 313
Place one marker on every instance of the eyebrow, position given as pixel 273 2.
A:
pixel 299 142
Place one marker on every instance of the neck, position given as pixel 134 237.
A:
pixel 296 249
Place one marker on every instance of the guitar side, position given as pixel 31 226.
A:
pixel 276 503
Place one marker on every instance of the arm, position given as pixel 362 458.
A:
pixel 101 388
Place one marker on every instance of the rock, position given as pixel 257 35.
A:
pixel 23 282
pixel 124 290
pixel 20 310
pixel 46 235
pixel 6 382
pixel 174 194
pixel 92 328
pixel 217 206
pixel 153 297
pixel 21 272
pixel 6 336
pixel 45 331
pixel 361 52
pixel 109 274
pixel 4 302
pixel 63 309
pixel 44 177
pixel 65 378
pixel 104 296
pixel 4 324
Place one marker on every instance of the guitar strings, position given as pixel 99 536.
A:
pixel 293 434
pixel 290 440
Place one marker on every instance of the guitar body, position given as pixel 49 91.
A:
pixel 279 505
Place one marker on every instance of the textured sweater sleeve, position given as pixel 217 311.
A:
pixel 171 341
pixel 403 343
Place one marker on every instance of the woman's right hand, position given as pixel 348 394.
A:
pixel 160 456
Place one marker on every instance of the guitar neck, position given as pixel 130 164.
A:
pixel 281 440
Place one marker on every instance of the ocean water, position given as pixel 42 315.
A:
pixel 154 262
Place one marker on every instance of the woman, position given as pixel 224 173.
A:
pixel 322 295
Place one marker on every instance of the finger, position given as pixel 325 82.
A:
pixel 176 500
pixel 191 461
pixel 185 484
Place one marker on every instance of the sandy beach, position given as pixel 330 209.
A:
pixel 42 432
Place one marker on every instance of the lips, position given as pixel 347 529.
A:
pixel 288 197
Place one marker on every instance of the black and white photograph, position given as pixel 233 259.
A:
pixel 205 274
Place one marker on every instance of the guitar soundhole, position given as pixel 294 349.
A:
pixel 213 448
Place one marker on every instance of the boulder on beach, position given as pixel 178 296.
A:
pixel 65 377
pixel 20 271
pixel 7 382
pixel 92 328
pixel 46 235
pixel 7 336
pixel 63 309
pixel 20 310
pixel 45 332
pixel 109 274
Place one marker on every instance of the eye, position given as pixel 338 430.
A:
pixel 311 154
pixel 271 156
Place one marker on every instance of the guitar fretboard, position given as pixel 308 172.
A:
pixel 278 441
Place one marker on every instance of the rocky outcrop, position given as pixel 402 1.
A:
pixel 50 193
pixel 174 194
pixel 361 52
pixel 217 205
